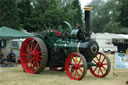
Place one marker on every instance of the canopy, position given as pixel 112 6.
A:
pixel 8 33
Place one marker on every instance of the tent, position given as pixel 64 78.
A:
pixel 8 33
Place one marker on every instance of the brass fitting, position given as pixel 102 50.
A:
pixel 88 8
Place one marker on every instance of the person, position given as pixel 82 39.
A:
pixel 12 57
pixel 77 26
pixel 2 57
pixel 127 82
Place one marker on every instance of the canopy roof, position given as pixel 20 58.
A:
pixel 8 33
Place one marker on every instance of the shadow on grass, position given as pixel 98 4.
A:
pixel 49 72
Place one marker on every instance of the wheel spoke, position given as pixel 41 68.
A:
pixel 95 61
pixel 69 67
pixel 28 47
pixel 79 61
pixel 28 51
pixel 103 60
pixel 81 70
pixel 99 58
pixel 32 45
pixel 37 63
pixel 71 63
pixel 38 59
pixel 78 74
pixel 39 56
pixel 95 69
pixel 26 54
pixel 36 47
pixel 81 65
pixel 74 60
pixel 75 75
pixel 104 68
pixel 101 71
pixel 29 61
pixel 105 63
pixel 31 66
pixel 72 70
pixel 37 52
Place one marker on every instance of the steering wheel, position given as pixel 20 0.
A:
pixel 64 27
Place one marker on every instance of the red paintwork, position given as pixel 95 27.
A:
pixel 101 69
pixel 73 67
pixel 30 55
pixel 57 33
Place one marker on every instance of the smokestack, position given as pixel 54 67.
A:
pixel 87 16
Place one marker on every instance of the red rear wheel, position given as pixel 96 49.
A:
pixel 33 55
pixel 75 66
pixel 103 65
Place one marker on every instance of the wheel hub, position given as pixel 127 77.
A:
pixel 76 66
pixel 100 64
pixel 73 66
pixel 32 55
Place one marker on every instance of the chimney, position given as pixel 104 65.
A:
pixel 87 16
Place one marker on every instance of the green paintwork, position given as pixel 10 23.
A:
pixel 74 33
pixel 68 44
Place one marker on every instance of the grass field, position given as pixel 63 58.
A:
pixel 16 76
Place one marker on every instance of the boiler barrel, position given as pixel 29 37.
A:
pixel 88 48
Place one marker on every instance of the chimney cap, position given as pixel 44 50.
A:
pixel 88 8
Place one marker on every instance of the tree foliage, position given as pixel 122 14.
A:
pixel 123 18
pixel 104 17
pixel 9 14
pixel 34 15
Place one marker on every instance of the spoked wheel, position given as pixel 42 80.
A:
pixel 103 65
pixel 75 66
pixel 33 55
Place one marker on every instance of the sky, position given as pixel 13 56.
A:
pixel 84 2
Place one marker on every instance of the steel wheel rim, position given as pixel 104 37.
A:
pixel 103 67
pixel 30 55
pixel 75 69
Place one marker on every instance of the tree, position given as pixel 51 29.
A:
pixel 105 16
pixel 123 18
pixel 34 15
pixel 25 14
pixel 78 12
pixel 8 11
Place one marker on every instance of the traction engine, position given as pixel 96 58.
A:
pixel 65 49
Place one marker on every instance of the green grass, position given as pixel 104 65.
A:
pixel 16 76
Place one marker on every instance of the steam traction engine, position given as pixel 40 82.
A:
pixel 62 49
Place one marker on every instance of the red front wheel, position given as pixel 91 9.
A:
pixel 103 65
pixel 75 66
pixel 33 55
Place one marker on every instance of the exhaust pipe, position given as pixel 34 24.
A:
pixel 87 18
